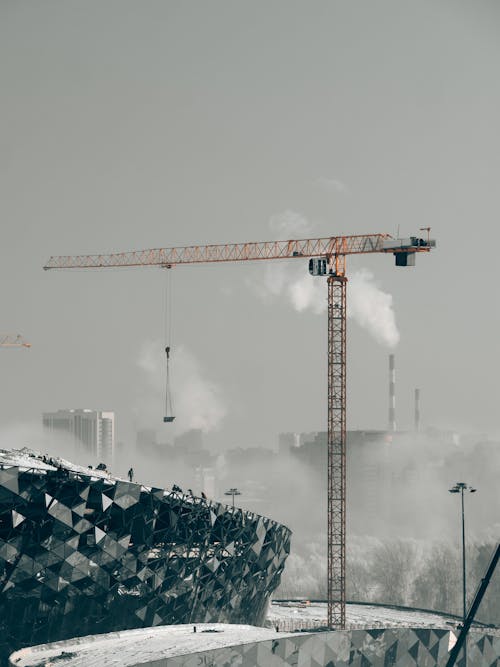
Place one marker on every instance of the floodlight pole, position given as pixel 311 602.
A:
pixel 460 487
pixel 464 569
pixel 232 492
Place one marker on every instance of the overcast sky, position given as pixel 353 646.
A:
pixel 127 125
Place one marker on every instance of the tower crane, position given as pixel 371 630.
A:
pixel 327 257
pixel 13 340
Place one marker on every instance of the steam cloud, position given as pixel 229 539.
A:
pixel 198 402
pixel 367 304
pixel 290 224
pixel 333 185
pixel 371 308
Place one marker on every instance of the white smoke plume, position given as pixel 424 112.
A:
pixel 367 303
pixel 197 401
pixel 372 308
pixel 333 185
pixel 305 292
pixel 293 280
pixel 289 225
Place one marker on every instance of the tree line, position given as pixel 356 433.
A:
pixel 402 572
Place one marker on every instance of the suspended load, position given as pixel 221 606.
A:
pixel 168 394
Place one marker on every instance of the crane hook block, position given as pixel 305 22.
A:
pixel 168 419
pixel 167 350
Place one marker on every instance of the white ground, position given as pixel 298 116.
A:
pixel 358 615
pixel 123 649
pixel 135 646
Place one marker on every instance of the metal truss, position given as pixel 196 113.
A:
pixel 336 450
pixel 227 252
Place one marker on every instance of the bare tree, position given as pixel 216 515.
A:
pixel 393 570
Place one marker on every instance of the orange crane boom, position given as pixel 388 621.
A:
pixel 326 258
pixel 233 252
pixel 13 340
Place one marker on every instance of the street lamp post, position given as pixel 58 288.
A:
pixel 461 487
pixel 232 492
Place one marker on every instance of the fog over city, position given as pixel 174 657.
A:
pixel 130 125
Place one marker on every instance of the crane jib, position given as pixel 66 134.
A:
pixel 237 252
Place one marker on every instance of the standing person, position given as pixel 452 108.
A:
pixel 131 474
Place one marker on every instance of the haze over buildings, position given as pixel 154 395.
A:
pixel 132 125
pixel 129 125
pixel 90 431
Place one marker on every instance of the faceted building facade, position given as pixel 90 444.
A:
pixel 84 553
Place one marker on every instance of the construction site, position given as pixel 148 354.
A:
pixel 220 450
pixel 326 260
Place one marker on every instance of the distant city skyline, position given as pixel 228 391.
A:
pixel 128 126
pixel 93 431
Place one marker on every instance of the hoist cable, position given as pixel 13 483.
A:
pixel 168 326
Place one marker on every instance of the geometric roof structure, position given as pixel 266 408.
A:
pixel 82 553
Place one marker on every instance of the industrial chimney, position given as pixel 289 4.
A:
pixel 417 410
pixel 392 393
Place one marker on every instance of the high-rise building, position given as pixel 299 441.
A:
pixel 94 429
pixel 190 441
pixel 287 441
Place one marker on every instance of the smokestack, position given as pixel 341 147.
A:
pixel 417 409
pixel 392 394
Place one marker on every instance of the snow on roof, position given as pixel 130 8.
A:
pixel 132 647
pixel 29 459
pixel 357 615
pixel 23 458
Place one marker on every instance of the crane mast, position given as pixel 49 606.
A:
pixel 329 256
pixel 336 438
